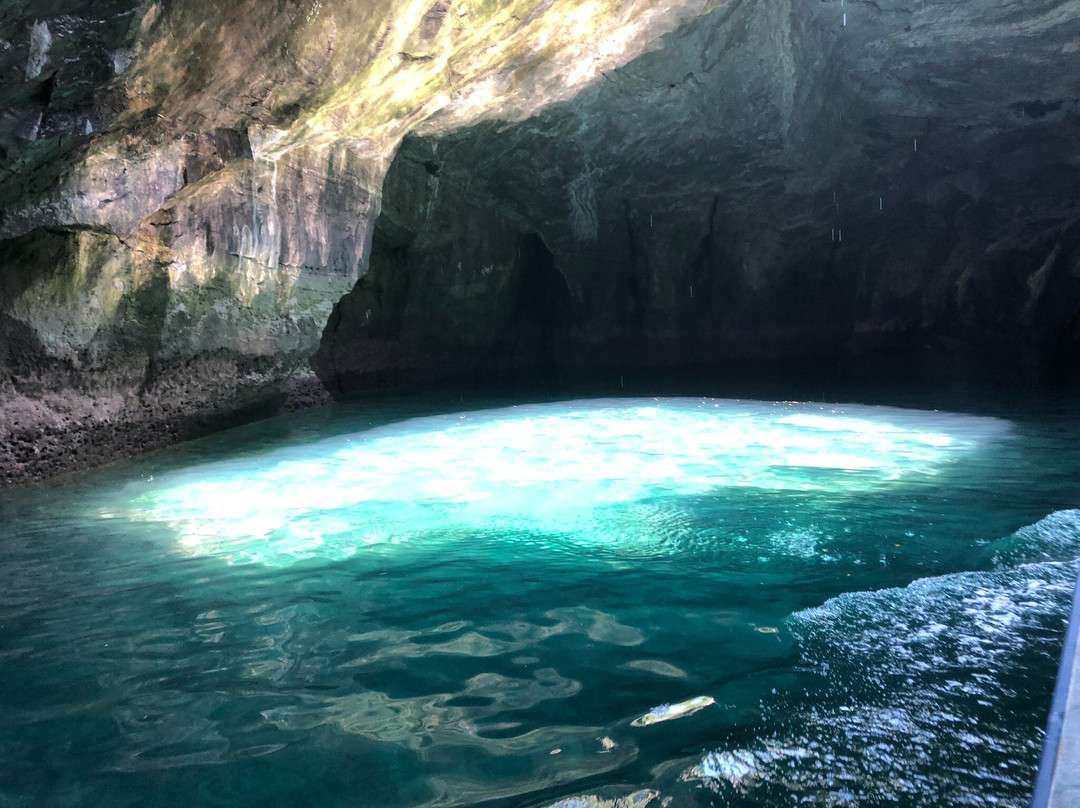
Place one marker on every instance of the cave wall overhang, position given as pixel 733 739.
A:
pixel 190 189
pixel 777 180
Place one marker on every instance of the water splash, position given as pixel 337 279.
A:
pixel 945 657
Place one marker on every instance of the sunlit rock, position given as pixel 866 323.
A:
pixel 416 191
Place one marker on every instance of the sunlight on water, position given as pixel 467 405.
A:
pixel 903 668
pixel 546 464
pixel 606 604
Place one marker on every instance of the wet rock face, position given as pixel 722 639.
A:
pixel 777 179
pixel 198 200
pixel 453 288
pixel 189 189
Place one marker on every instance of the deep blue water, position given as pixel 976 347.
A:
pixel 399 605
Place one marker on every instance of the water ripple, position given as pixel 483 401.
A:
pixel 903 668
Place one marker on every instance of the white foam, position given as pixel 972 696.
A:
pixel 921 702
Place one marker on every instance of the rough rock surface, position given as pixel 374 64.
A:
pixel 193 196
pixel 777 179
pixel 188 189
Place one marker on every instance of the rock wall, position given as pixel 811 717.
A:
pixel 779 179
pixel 454 289
pixel 198 199
pixel 188 189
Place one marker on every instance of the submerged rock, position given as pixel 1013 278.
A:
pixel 668 712
pixel 637 799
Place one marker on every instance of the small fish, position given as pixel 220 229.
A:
pixel 667 712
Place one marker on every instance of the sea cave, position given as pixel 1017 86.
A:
pixel 540 403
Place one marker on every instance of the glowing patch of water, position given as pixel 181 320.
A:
pixel 548 465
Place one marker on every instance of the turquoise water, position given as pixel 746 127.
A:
pixel 399 604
